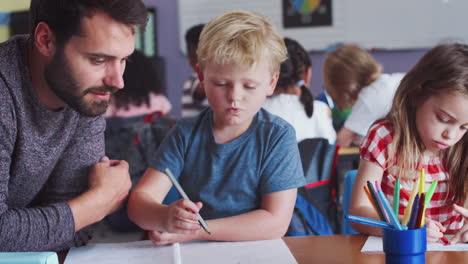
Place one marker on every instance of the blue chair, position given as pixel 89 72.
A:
pixel 349 178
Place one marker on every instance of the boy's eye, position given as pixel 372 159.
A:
pixel 250 86
pixel 220 84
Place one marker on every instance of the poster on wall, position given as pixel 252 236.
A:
pixel 307 13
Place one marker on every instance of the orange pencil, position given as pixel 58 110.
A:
pixel 366 189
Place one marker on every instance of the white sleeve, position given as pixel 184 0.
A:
pixel 362 116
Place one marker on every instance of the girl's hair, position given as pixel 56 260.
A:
pixel 243 38
pixel 443 69
pixel 292 71
pixel 346 71
pixel 141 78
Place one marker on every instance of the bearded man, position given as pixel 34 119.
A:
pixel 55 84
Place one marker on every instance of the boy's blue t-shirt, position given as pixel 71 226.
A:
pixel 231 178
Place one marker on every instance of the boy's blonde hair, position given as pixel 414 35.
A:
pixel 443 69
pixel 346 71
pixel 243 38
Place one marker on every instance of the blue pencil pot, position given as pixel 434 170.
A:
pixel 405 246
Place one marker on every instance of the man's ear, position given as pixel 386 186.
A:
pixel 201 78
pixel 44 39
pixel 272 85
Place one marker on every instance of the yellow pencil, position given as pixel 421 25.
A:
pixel 422 182
pixel 408 208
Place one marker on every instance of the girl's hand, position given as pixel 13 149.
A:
pixel 462 234
pixel 181 217
pixel 164 238
pixel 434 230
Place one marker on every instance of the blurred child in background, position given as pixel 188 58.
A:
pixel 293 101
pixel 194 98
pixel 354 79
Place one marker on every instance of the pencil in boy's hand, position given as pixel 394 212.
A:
pixel 184 195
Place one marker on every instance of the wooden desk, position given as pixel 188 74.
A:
pixel 349 151
pixel 343 249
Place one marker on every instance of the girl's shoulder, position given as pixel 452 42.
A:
pixel 381 125
pixel 375 146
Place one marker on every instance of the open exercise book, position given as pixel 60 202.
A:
pixel 374 244
pixel 266 251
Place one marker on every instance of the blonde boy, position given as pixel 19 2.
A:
pixel 238 162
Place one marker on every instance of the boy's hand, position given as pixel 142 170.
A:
pixel 462 234
pixel 181 217
pixel 434 230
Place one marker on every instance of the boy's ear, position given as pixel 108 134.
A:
pixel 272 86
pixel 201 78
pixel 44 39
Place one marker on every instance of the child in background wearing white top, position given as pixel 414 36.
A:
pixel 293 101
pixel 354 79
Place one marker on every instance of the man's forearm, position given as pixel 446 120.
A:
pixel 88 208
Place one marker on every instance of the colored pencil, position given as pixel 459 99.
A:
pixel 408 210
pixel 430 192
pixel 388 209
pixel 422 182
pixel 377 202
pixel 366 190
pixel 419 218
pixel 396 196
pixel 369 221
pixel 414 212
pixel 403 193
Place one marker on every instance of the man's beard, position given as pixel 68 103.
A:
pixel 61 81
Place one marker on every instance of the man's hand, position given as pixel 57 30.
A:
pixel 110 178
pixel 109 184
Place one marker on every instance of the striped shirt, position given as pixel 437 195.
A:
pixel 190 106
pixel 375 148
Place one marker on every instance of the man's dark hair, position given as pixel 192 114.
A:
pixel 191 40
pixel 64 16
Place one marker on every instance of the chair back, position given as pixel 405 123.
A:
pixel 318 162
pixel 349 178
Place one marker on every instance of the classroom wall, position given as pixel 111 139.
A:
pixel 177 69
pixel 7 6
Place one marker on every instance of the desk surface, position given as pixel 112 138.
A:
pixel 347 249
pixel 348 151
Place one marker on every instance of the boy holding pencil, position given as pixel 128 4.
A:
pixel 238 162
